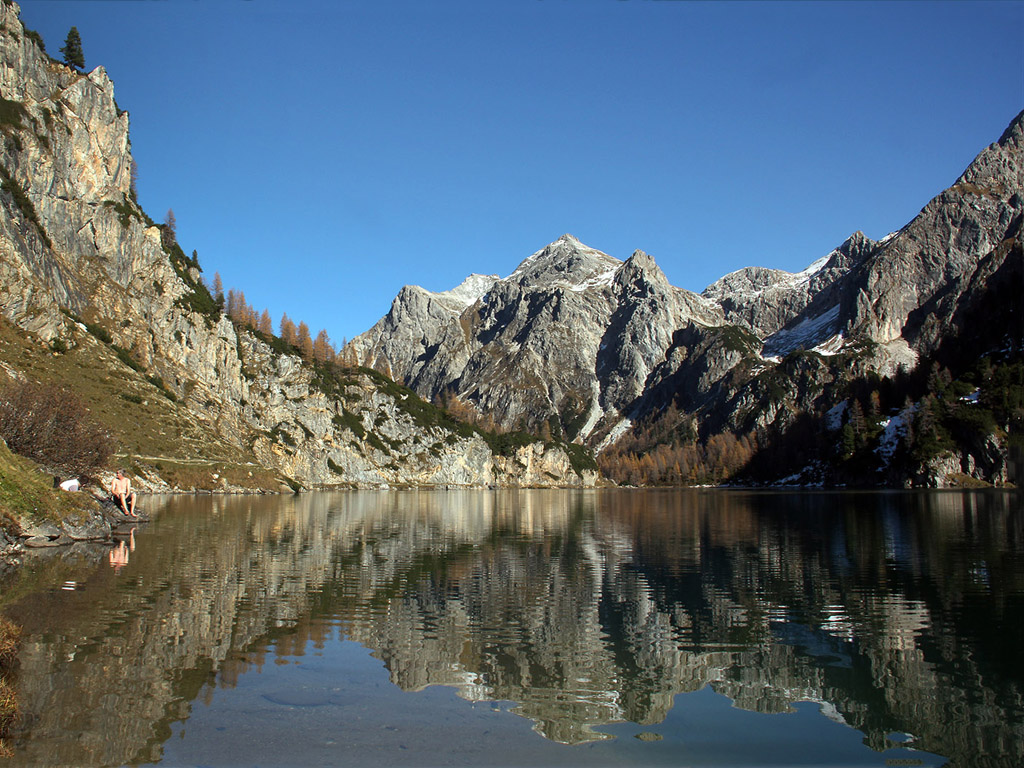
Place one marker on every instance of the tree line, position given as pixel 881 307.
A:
pixel 318 349
pixel 665 450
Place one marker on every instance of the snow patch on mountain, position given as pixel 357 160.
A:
pixel 830 347
pixel 472 288
pixel 806 334
pixel 600 280
pixel 595 412
pixel 613 436
pixel 893 430
pixel 566 262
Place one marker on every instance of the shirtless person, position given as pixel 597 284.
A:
pixel 122 491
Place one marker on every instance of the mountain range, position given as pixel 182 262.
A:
pixel 864 367
pixel 582 345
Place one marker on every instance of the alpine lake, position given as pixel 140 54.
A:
pixel 700 627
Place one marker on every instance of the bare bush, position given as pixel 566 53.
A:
pixel 52 426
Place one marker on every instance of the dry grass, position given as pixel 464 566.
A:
pixel 209 475
pixel 9 634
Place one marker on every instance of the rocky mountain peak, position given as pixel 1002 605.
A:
pixel 998 171
pixel 641 271
pixel 471 289
pixel 565 263
pixel 1014 132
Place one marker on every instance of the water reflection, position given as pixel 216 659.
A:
pixel 120 553
pixel 897 613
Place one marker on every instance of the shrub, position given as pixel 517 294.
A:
pixel 51 425
pixel 12 113
pixel 126 357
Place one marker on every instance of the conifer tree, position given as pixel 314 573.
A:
pixel 72 49
pixel 133 189
pixel 304 341
pixel 323 351
pixel 266 324
pixel 288 331
pixel 169 234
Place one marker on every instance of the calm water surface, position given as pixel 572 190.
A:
pixel 531 627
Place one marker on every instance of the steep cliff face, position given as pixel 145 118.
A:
pixel 593 346
pixel 78 254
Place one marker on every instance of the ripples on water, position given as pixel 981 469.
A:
pixel 402 627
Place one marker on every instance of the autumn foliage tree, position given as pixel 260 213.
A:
pixel 665 450
pixel 288 331
pixel 304 341
pixel 323 350
pixel 266 326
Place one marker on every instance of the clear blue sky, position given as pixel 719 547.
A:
pixel 322 154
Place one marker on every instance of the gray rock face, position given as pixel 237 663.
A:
pixel 80 245
pixel 567 339
pixel 765 300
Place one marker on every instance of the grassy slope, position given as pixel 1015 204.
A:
pixel 26 495
pixel 151 431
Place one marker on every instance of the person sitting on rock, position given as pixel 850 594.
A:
pixel 121 489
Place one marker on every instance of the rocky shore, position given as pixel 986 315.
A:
pixel 100 525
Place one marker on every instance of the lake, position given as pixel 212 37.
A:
pixel 513 628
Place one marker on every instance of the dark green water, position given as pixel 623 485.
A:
pixel 532 627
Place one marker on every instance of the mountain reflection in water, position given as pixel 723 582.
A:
pixel 898 613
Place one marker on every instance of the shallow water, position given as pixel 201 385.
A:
pixel 532 627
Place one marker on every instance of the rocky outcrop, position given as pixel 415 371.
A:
pixel 915 284
pixel 765 300
pixel 77 253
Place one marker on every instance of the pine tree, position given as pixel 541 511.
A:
pixel 169 234
pixel 858 423
pixel 72 49
pixel 133 189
